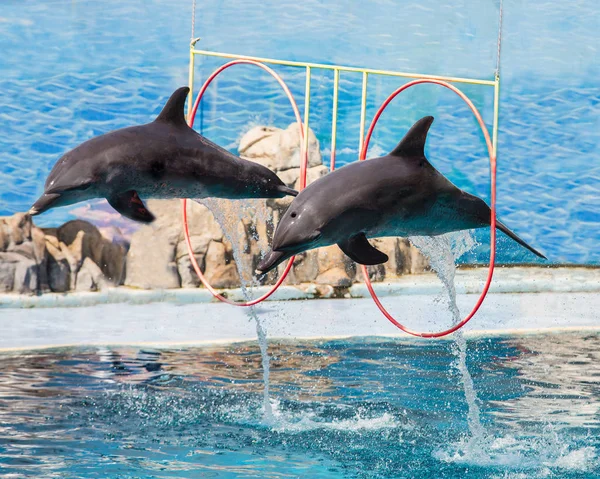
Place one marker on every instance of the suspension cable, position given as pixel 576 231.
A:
pixel 499 41
pixel 193 19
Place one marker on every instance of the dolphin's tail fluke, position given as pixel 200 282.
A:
pixel 502 227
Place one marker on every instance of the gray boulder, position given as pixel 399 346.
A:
pixel 35 260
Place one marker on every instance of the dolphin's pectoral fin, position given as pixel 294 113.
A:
pixel 131 206
pixel 502 227
pixel 358 249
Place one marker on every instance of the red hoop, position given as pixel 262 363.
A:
pixel 303 167
pixel 492 156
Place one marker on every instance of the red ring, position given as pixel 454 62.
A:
pixel 303 167
pixel 492 156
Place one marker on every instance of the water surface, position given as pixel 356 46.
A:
pixel 361 408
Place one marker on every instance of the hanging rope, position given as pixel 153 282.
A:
pixel 499 42
pixel 193 19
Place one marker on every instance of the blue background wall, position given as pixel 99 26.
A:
pixel 72 69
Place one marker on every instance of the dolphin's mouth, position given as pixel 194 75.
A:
pixel 44 203
pixel 272 260
pixel 275 257
pixel 307 243
pixel 285 190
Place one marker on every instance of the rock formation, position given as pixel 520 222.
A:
pixel 76 256
pixel 22 251
pixel 79 257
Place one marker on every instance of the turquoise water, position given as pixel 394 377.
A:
pixel 361 408
pixel 74 69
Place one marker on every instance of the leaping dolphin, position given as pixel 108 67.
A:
pixel 400 194
pixel 162 159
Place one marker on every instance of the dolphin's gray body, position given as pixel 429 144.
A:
pixel 162 159
pixel 400 194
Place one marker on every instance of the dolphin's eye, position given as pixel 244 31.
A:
pixel 293 215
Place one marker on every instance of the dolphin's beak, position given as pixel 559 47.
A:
pixel 287 190
pixel 285 250
pixel 271 261
pixel 43 203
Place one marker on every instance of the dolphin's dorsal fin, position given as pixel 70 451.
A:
pixel 173 110
pixel 413 143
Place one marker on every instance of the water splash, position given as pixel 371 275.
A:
pixel 442 252
pixel 545 455
pixel 238 221
pixel 300 418
pixel 480 448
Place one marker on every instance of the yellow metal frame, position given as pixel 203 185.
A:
pixel 366 72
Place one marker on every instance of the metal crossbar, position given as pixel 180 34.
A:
pixel 337 69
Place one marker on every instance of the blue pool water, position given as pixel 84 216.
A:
pixel 361 408
pixel 72 69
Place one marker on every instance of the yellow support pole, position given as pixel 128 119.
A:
pixel 363 111
pixel 191 82
pixel 306 107
pixel 496 116
pixel 336 86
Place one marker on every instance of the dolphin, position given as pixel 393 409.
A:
pixel 162 159
pixel 400 194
